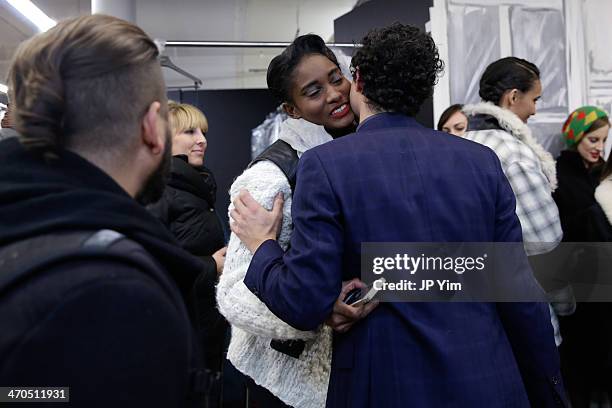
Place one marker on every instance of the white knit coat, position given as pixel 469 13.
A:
pixel 299 382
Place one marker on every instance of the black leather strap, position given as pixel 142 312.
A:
pixel 284 156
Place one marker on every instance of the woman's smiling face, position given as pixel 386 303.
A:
pixel 320 93
pixel 591 146
pixel 192 143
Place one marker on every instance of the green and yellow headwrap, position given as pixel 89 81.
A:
pixel 580 121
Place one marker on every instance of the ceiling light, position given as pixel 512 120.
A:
pixel 3 88
pixel 33 13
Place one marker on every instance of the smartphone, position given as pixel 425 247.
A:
pixel 358 299
pixel 353 296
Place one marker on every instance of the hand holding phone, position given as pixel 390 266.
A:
pixel 353 296
pixel 344 315
pixel 368 296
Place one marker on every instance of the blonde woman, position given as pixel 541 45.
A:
pixel 187 210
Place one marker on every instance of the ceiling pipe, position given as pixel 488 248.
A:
pixel 244 44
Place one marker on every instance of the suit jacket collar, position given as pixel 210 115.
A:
pixel 386 120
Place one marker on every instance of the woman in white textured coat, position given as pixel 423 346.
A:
pixel 293 365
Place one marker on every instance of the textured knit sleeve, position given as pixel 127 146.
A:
pixel 236 302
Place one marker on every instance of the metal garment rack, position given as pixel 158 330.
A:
pixel 166 62
pixel 245 44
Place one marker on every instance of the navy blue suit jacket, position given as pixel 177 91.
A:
pixel 396 181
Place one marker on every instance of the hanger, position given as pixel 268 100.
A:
pixel 167 63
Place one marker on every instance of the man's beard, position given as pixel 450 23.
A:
pixel 153 188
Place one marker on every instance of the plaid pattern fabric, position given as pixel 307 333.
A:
pixel 535 207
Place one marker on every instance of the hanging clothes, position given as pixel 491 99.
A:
pixel 267 133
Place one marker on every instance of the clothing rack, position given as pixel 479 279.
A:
pixel 167 63
pixel 244 44
pixel 178 88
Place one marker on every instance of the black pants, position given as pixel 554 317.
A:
pixel 586 352
pixel 259 397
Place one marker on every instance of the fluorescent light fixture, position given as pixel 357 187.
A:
pixel 33 13
pixel 3 88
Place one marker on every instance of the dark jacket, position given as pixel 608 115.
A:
pixel 586 334
pixel 599 228
pixel 92 325
pixel 187 210
pixel 575 194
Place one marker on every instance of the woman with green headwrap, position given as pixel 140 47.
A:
pixel 578 168
pixel 587 333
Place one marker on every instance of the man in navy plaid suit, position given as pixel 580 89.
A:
pixel 396 181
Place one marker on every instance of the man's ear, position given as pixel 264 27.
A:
pixel 291 110
pixel 358 82
pixel 152 136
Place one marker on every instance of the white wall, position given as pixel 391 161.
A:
pixel 234 20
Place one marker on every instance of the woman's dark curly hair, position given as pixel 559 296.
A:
pixel 280 70
pixel 506 74
pixel 399 66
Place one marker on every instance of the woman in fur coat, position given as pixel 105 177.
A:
pixel 292 366
pixel 510 88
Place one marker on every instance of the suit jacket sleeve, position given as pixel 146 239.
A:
pixel 301 286
pixel 527 324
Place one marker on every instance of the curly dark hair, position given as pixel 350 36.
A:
pixel 280 70
pixel 399 66
pixel 506 74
